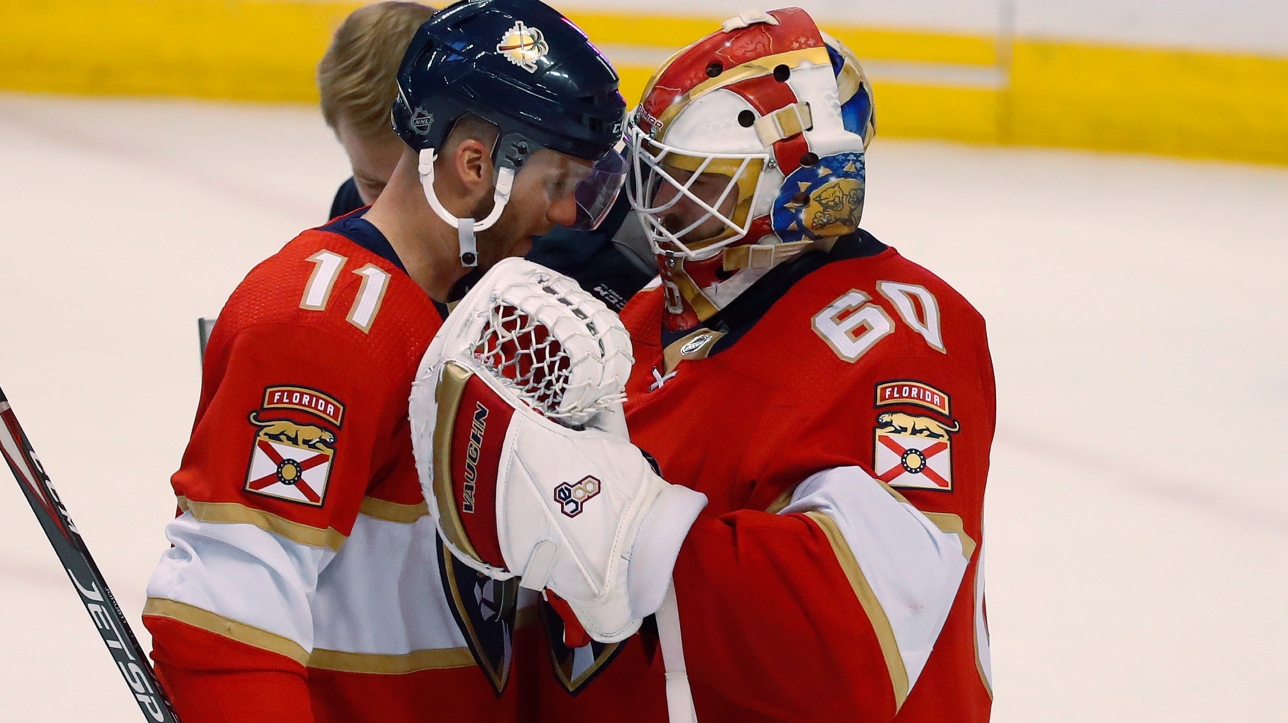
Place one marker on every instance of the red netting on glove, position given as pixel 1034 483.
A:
pixel 515 346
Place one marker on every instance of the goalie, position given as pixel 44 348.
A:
pixel 820 409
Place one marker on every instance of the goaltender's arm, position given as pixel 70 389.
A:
pixel 829 608
pixel 269 488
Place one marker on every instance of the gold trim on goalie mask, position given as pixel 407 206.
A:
pixel 451 386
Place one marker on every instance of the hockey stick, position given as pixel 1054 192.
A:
pixel 80 567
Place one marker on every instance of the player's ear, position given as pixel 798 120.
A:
pixel 473 161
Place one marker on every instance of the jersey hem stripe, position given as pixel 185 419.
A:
pixel 871 606
pixel 393 511
pixel 224 627
pixel 233 513
pixel 378 664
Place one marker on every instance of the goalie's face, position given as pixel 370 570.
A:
pixel 687 203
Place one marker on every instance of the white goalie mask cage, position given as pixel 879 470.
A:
pixel 656 188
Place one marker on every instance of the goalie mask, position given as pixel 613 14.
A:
pixel 748 150
pixel 531 73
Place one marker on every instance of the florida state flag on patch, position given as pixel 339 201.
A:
pixel 290 461
pixel 914 451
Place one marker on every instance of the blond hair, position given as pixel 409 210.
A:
pixel 357 77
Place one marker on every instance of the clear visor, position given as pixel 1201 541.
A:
pixel 677 193
pixel 596 192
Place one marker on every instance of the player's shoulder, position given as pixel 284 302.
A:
pixel 887 276
pixel 856 316
pixel 852 303
pixel 324 284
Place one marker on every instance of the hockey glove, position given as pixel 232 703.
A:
pixel 522 452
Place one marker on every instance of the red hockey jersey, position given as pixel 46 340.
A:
pixel 305 582
pixel 838 416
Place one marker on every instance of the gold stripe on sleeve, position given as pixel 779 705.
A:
pixel 232 512
pixel 219 625
pixel 781 501
pixel 868 599
pixel 953 525
pixel 417 660
pixel 393 511
pixel 945 521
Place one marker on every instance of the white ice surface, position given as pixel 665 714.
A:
pixel 1137 512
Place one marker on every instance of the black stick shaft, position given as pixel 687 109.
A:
pixel 88 581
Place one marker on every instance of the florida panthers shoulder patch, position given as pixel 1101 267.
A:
pixel 913 449
pixel 291 460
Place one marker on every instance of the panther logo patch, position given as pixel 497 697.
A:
pixel 914 451
pixel 523 46
pixel 288 432
pixel 289 460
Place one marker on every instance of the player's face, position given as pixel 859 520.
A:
pixel 685 212
pixel 372 158
pixel 541 199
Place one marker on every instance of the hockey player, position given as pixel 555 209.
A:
pixel 304 582
pixel 355 83
pixel 832 400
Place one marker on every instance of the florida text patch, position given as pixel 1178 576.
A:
pixel 915 393
pixel 305 400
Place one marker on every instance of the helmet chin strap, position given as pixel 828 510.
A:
pixel 465 227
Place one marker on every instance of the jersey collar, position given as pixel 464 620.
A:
pixel 743 312
pixel 364 233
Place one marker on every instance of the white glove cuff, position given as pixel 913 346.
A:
pixel 657 546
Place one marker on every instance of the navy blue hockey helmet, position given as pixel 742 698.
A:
pixel 526 69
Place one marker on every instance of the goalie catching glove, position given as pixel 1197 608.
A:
pixel 523 456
